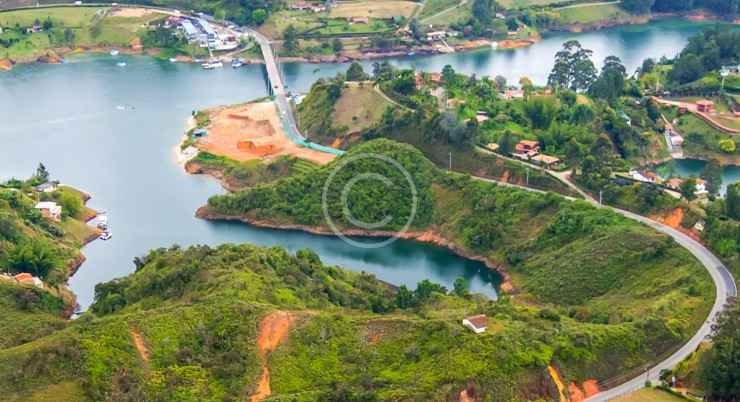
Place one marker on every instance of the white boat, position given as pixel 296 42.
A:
pixel 210 65
pixel 236 63
pixel 105 236
pixel 114 52
pixel 121 64
pixel 173 60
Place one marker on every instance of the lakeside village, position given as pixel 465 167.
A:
pixel 198 31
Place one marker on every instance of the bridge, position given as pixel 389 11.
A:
pixel 276 88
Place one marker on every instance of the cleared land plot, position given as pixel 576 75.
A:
pixel 252 131
pixel 650 395
pixel 374 9
pixel 589 13
pixel 339 26
pixel 358 108
pixel 527 3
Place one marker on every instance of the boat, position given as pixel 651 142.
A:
pixel 210 65
pixel 106 236
pixel 173 60
pixel 236 63
pixel 114 52
pixel 121 64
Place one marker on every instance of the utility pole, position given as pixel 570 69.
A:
pixel 527 176
pixel 601 198
pixel 724 73
pixel 450 161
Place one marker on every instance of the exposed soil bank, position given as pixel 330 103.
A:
pixel 273 331
pixel 429 237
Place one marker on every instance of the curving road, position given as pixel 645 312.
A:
pixel 723 282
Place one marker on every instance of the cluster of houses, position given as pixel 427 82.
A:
pixel 198 30
pixel 528 150
pixel 23 278
pixel 700 189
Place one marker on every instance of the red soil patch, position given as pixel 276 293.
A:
pixel 673 218
pixel 273 331
pixel 591 387
pixel 464 397
pixel 576 395
pixel 140 346
pixel 6 64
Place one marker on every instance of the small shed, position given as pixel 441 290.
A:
pixel 476 323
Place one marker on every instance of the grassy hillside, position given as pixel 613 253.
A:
pixel 641 300
pixel 44 248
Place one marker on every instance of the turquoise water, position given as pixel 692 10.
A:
pixel 112 131
pixel 693 168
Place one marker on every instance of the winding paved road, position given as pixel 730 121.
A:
pixel 723 282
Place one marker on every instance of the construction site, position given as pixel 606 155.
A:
pixel 252 131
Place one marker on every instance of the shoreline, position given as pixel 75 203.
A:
pixel 57 55
pixel 425 237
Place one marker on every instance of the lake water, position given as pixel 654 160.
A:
pixel 693 168
pixel 111 131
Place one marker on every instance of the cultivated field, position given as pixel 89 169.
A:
pixel 374 9
pixel 589 13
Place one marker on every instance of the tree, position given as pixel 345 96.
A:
pixel 727 146
pixel 500 82
pixel 687 189
pixel 69 36
pixel 712 175
pixel 35 256
pixel 610 84
pixel 512 24
pixel 648 65
pixel 355 72
pixel 404 298
pixel 259 16
pixel 732 201
pixel 719 367
pixel 527 85
pixel 483 11
pixel 573 68
pixel 541 111
pixel 686 69
pixel 48 24
pixel 71 204
pixel 336 45
pixel 290 39
pixel 506 142
pixel 42 175
pixel 454 131
pixel 460 287
pixel 448 74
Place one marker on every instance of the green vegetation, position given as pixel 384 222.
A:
pixel 587 14
pixel 238 175
pixel 66 27
pixel 537 237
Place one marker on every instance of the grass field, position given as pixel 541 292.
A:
pixel 526 3
pixel 432 7
pixel 110 31
pixel 650 395
pixel 589 13
pixel 459 13
pixel 301 20
pixel 358 108
pixel 374 9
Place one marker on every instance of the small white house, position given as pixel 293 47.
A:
pixel 50 210
pixel 476 323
